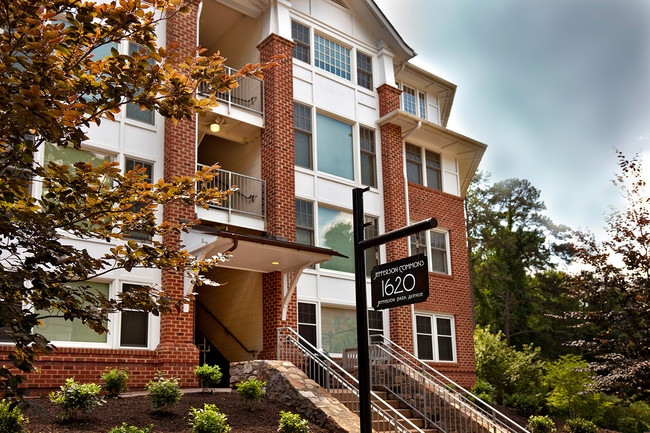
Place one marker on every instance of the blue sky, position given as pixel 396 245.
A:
pixel 552 87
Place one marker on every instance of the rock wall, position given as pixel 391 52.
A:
pixel 288 384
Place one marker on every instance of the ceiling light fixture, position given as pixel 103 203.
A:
pixel 215 127
pixel 275 263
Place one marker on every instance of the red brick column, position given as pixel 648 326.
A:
pixel 278 171
pixel 392 165
pixel 176 352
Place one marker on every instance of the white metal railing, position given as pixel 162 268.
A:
pixel 249 94
pixel 439 400
pixel 338 382
pixel 248 198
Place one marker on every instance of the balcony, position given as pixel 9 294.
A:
pixel 246 207
pixel 249 96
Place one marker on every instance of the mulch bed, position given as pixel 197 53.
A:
pixel 138 411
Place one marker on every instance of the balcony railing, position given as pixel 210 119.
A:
pixel 249 95
pixel 249 197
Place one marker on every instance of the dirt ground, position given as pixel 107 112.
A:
pixel 138 411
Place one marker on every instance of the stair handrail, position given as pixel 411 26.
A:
pixel 391 416
pixel 487 411
pixel 228 332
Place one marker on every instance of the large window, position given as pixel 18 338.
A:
pixel 302 135
pixel 368 157
pixel 335 232
pixel 338 329
pixel 432 176
pixel 57 329
pixel 335 150
pixel 364 70
pixel 437 245
pixel 300 35
pixel 435 338
pixel 331 57
pixel 304 222
pixel 307 322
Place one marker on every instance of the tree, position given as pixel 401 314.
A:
pixel 511 244
pixel 59 73
pixel 614 290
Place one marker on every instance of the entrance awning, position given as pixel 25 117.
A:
pixel 256 253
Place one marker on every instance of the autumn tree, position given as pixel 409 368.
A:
pixel 614 290
pixel 59 74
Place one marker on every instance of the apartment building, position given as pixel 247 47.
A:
pixel 344 109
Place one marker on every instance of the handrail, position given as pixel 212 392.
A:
pixel 338 382
pixel 245 197
pixel 249 94
pixel 228 333
pixel 453 395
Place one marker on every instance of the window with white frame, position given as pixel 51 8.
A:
pixel 335 232
pixel 435 338
pixel 422 105
pixel 131 164
pixel 375 322
pixel 302 135
pixel 304 222
pixel 364 70
pixel 307 322
pixel 436 246
pixel 409 103
pixel 133 110
pixel 432 175
pixel 370 231
pixel 134 324
pixel 331 57
pixel 338 328
pixel 334 142
pixel 300 35
pixel 368 157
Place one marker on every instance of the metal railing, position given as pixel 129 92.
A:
pixel 338 382
pixel 248 198
pixel 439 400
pixel 249 94
pixel 225 328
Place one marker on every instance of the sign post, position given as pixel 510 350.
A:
pixel 360 245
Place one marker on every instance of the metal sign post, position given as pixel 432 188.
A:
pixel 360 245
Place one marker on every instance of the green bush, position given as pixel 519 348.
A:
pixel 580 425
pixel 75 398
pixel 571 384
pixel 292 423
pixel 630 424
pixel 164 393
pixel 208 376
pixel 251 391
pixel 208 420
pixel 124 428
pixel 484 390
pixel 540 424
pixel 527 404
pixel 115 381
pixel 11 419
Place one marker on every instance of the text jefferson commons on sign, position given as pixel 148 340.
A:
pixel 400 282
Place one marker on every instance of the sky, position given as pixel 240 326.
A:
pixel 553 87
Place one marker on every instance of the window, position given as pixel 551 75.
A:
pixel 302 135
pixel 422 98
pixel 331 57
pixel 413 164
pixel 435 337
pixel 434 170
pixel 334 142
pixel 58 329
pixel 368 157
pixel 370 231
pixel 436 243
pixel 304 222
pixel 300 35
pixel 335 232
pixel 364 70
pixel 408 100
pixel 133 110
pixel 338 329
pixel 130 165
pixel 307 322
pixel 433 167
pixel 375 323
pixel 135 324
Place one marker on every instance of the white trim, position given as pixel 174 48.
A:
pixel 434 335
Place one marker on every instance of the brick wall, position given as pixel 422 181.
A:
pixel 450 294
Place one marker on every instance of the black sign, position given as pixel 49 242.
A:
pixel 401 282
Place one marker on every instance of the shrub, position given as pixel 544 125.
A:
pixel 11 419
pixel 251 391
pixel 629 424
pixel 292 423
pixel 579 425
pixel 208 420
pixel 484 390
pixel 75 398
pixel 527 404
pixel 540 424
pixel 164 393
pixel 124 428
pixel 571 383
pixel 208 376
pixel 115 381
